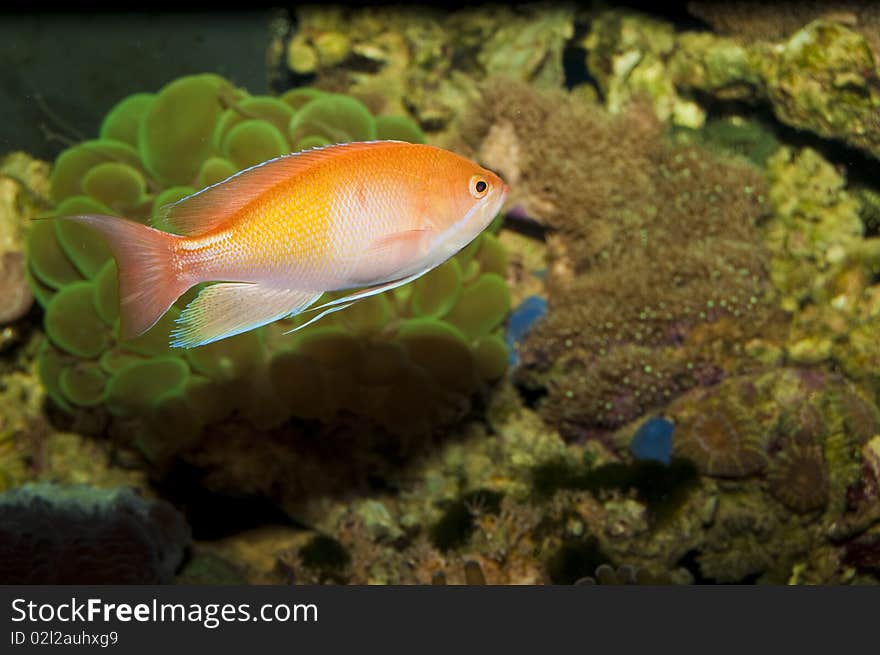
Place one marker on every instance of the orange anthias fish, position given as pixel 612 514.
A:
pixel 275 237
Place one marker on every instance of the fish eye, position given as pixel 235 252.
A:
pixel 478 186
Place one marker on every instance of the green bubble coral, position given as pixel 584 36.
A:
pixel 436 294
pixel 251 142
pixel 215 169
pixel 73 323
pixel 84 383
pixel 336 117
pixel 299 96
pixel 74 163
pixel 264 108
pixel 117 185
pixel 47 262
pixel 400 362
pixel 175 132
pixel 136 387
pixel 398 128
pixel 122 123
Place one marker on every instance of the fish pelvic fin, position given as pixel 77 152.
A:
pixel 148 279
pixel 229 308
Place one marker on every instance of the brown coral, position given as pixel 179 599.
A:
pixel 721 440
pixel 803 423
pixel 859 415
pixel 656 270
pixel 798 478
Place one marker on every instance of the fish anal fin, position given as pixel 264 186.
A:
pixel 229 308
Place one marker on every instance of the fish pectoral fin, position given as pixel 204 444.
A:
pixel 229 308
pixel 407 240
pixel 390 253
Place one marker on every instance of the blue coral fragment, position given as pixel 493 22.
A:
pixel 653 440
pixel 520 322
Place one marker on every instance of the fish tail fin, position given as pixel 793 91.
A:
pixel 148 279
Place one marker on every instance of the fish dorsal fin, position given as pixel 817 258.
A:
pixel 211 207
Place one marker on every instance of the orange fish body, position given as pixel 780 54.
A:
pixel 278 235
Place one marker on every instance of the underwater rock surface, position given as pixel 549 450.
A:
pixel 23 193
pixel 55 534
pixel 821 78
pixel 427 62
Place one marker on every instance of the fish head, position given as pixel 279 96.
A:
pixel 463 199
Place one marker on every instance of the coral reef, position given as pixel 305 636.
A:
pixel 821 78
pixel 802 427
pixel 426 62
pixel 686 391
pixel 54 534
pixel 815 223
pixel 622 575
pixel 823 264
pixel 518 505
pixel 650 290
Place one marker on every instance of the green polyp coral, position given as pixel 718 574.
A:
pixel 401 362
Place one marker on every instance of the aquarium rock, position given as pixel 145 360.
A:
pixel 822 78
pixel 56 534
